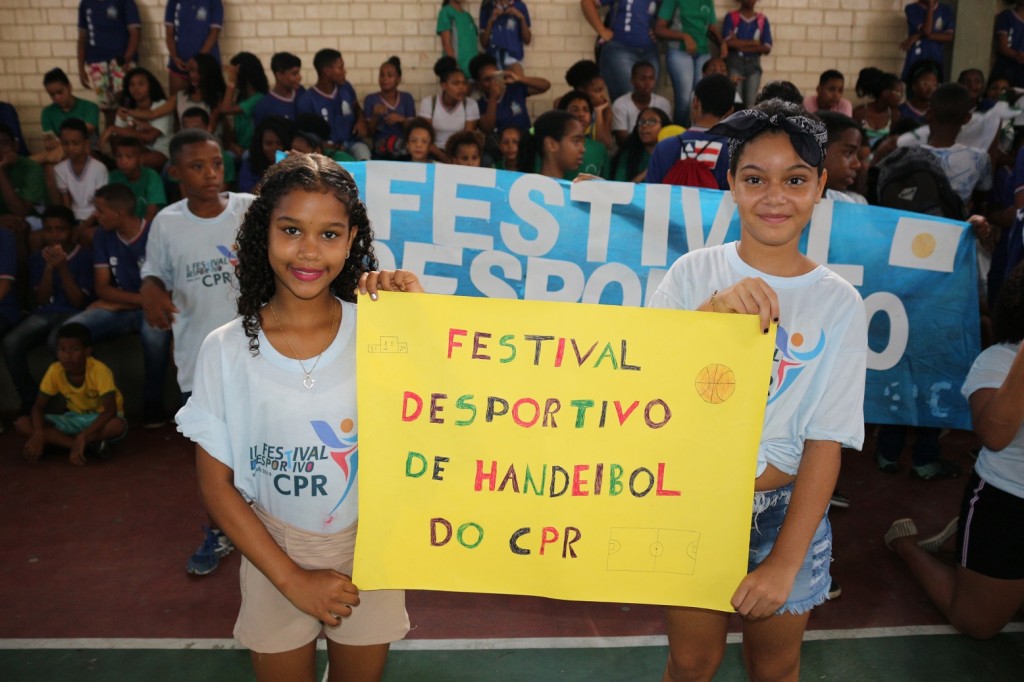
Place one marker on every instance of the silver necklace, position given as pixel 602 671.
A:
pixel 308 381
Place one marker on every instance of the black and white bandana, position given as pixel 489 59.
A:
pixel 808 135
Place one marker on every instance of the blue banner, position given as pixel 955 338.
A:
pixel 499 234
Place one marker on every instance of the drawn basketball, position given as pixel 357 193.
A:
pixel 715 384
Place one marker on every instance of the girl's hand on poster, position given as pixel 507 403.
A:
pixel 389 280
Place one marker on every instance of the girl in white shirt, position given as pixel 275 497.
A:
pixel 273 416
pixel 815 392
pixel 449 111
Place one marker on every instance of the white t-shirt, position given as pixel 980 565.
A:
pixel 1003 469
pixel 195 260
pixel 816 391
pixel 446 123
pixel 625 112
pixel 82 188
pixel 293 450
pixel 164 124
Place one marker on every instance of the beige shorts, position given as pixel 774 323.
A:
pixel 268 623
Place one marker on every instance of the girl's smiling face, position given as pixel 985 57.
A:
pixel 775 190
pixel 308 242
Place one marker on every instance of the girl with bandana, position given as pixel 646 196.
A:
pixel 815 395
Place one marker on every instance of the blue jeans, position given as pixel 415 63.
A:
pixel 810 587
pixel 749 68
pixel 684 70
pixel 617 62
pixel 156 344
pixel 33 331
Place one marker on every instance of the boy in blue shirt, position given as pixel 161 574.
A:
pixel 280 101
pixel 334 99
pixel 61 277
pixel 192 26
pixel 119 250
pixel 108 43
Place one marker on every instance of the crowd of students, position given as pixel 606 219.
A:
pixel 95 243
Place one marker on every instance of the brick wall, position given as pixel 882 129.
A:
pixel 810 36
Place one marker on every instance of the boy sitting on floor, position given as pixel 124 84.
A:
pixel 95 408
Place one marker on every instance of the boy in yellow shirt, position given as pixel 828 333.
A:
pixel 95 407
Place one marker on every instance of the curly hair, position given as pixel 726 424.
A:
pixel 304 173
pixel 1008 316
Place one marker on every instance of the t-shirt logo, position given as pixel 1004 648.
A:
pixel 344 450
pixel 201 14
pixel 111 12
pixel 229 254
pixel 346 109
pixel 792 354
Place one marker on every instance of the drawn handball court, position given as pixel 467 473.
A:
pixel 94 588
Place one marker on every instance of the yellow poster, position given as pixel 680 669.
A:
pixel 583 452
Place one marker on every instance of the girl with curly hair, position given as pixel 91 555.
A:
pixel 273 416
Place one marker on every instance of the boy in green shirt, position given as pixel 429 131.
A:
pixel 144 182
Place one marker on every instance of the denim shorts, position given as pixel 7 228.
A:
pixel 810 588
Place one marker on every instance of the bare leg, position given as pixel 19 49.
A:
pixel 298 665
pixel 356 663
pixel 976 605
pixel 771 647
pixel 696 643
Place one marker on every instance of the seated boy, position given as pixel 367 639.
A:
pixel 280 101
pixel 334 98
pixel 713 98
pixel 78 176
pixel 62 282
pixel 119 249
pixel 143 181
pixel 829 95
pixel 626 109
pixel 842 157
pixel 95 408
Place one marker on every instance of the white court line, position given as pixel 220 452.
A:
pixel 476 644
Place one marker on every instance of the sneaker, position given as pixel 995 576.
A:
pixel 834 590
pixel 934 542
pixel 886 466
pixel 153 416
pixel 938 470
pixel 215 546
pixel 900 528
pixel 840 500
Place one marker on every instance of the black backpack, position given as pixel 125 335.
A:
pixel 911 179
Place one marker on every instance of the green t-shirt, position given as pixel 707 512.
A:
pixel 243 121
pixel 53 115
pixel 620 171
pixel 464 34
pixel 27 179
pixel 694 19
pixel 595 161
pixel 148 189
